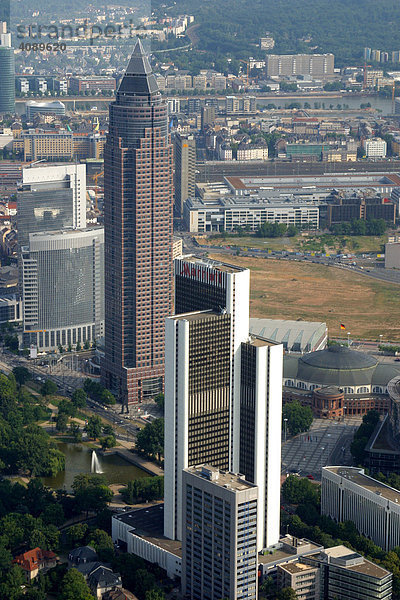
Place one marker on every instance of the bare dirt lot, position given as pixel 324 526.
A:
pixel 293 290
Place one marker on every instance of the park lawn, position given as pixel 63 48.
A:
pixel 333 244
pixel 282 289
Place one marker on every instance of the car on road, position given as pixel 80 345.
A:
pixel 309 476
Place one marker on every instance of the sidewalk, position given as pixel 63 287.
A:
pixel 124 451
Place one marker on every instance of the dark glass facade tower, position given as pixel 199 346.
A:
pixel 138 202
pixel 7 80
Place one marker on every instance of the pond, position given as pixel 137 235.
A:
pixel 78 459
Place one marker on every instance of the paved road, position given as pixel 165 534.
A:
pixel 307 453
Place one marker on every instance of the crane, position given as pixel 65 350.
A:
pixel 95 177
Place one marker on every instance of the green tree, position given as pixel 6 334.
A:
pixel 67 408
pixel 103 544
pixel 108 441
pixel 62 423
pixel 74 587
pixel 10 586
pixel 93 427
pixel 76 534
pixel 49 388
pixel 75 432
pixel 143 489
pixel 159 400
pixel 297 490
pixel 150 439
pixel 22 375
pixel 155 594
pixel 91 492
pixel 299 418
pixel 79 398
pixel 287 593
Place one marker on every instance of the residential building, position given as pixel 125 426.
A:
pixel 34 561
pixel 267 42
pixel 91 83
pixel 138 204
pixel 347 494
pixel 62 288
pixel 61 86
pixel 239 104
pixel 7 72
pixel 22 85
pixel 229 213
pixel 207 116
pixel 55 107
pixel 375 148
pixel 219 548
pixel 247 152
pixel 316 65
pixel 185 170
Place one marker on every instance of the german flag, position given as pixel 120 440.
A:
pixel 342 326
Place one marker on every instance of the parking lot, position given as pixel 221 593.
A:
pixel 327 442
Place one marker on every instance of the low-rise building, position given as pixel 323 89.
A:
pixel 301 577
pixel 347 494
pixel 375 148
pixel 34 561
pixel 91 83
pixel 392 255
pixel 229 213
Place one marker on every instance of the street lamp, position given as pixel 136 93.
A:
pixel 348 339
pixel 285 423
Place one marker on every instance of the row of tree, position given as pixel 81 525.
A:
pixel 275 230
pixel 98 392
pixel 143 490
pixel 362 435
pixel 360 227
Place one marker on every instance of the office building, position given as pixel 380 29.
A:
pixel 10 309
pixel 55 107
pixel 347 575
pixel 5 13
pixel 223 390
pixel 198 362
pixel 138 204
pixel 375 148
pixel 219 549
pixel 7 70
pixel 334 573
pixel 185 170
pixel 45 145
pixel 316 65
pixel 228 213
pixel 63 288
pixel 260 430
pixel 344 209
pixel 91 83
pixel 303 578
pixel 347 494
pixel 51 198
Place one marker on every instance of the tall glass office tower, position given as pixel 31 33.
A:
pixel 138 197
pixel 7 70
